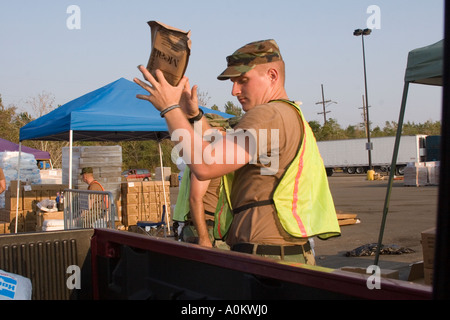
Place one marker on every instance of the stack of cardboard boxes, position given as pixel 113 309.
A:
pixel 106 162
pixel 422 174
pixel 415 174
pixel 29 216
pixel 144 201
pixel 428 245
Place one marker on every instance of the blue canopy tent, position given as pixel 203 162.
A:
pixel 110 113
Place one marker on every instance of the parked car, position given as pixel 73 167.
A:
pixel 137 174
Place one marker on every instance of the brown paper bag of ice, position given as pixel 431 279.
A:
pixel 170 53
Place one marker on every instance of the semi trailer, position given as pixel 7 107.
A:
pixel 352 155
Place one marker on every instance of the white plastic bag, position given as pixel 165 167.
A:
pixel 14 286
pixel 47 205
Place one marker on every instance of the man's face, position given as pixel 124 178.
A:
pixel 251 89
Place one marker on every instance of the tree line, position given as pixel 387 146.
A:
pixel 145 154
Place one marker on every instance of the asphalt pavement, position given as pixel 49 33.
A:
pixel 411 210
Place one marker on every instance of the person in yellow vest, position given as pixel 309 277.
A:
pixel 197 200
pixel 195 207
pixel 275 193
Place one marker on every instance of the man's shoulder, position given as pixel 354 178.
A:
pixel 95 185
pixel 270 111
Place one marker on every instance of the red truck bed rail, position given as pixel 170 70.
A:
pixel 128 265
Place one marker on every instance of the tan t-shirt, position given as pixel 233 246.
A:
pixel 211 195
pixel 261 224
pixel 95 186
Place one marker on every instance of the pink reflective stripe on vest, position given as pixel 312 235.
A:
pixel 295 195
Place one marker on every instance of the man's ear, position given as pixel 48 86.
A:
pixel 273 74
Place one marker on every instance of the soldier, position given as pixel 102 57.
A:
pixel 88 177
pixel 266 209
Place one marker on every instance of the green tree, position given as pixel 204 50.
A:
pixel 231 108
pixel 8 126
pixel 315 127
pixel 145 155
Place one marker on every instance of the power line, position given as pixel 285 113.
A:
pixel 323 102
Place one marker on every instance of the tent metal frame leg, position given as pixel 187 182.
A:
pixel 392 172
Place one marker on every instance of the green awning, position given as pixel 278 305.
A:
pixel 425 65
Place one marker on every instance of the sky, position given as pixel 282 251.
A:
pixel 39 53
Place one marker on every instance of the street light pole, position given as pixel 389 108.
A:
pixel 362 33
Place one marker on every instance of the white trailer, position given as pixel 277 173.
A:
pixel 352 155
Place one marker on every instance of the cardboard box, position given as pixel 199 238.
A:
pixel 428 276
pixel 11 201
pixel 131 198
pixel 20 224
pixel 13 187
pixel 415 174
pixel 428 247
pixel 4 228
pixel 5 215
pixel 8 215
pixel 40 216
pixel 143 201
pixel 29 203
pixel 130 220
pixel 131 187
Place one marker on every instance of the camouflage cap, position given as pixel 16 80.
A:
pixel 86 170
pixel 246 58
pixel 217 121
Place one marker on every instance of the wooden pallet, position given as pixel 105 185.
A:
pixel 345 218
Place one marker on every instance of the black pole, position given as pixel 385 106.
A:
pixel 441 276
pixel 369 147
pixel 323 103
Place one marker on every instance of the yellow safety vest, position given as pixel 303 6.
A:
pixel 302 198
pixel 182 205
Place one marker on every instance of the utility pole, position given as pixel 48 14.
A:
pixel 323 102
pixel 364 115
